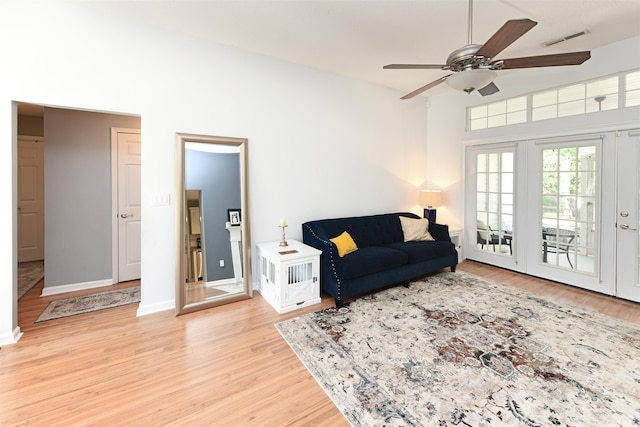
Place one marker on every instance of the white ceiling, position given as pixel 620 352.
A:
pixel 357 37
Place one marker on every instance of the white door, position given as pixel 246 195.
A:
pixel 30 199
pixel 128 212
pixel 627 216
pixel 569 233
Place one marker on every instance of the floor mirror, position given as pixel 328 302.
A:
pixel 212 226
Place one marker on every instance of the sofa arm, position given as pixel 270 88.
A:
pixel 439 231
pixel 330 261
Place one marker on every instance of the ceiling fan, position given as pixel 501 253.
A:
pixel 473 65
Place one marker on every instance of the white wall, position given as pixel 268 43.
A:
pixel 77 200
pixel 320 145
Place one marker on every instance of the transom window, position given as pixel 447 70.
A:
pixel 580 98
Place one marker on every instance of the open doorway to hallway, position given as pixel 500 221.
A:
pixel 76 195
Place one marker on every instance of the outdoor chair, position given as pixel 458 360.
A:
pixel 487 236
pixel 557 240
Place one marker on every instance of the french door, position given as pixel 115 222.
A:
pixel 566 209
pixel 570 224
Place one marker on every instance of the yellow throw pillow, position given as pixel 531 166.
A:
pixel 345 244
pixel 415 230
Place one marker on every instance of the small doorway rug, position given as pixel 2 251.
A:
pixel 29 274
pixel 88 303
pixel 457 350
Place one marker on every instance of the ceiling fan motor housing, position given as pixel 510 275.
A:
pixel 465 59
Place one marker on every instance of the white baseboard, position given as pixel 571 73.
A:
pixel 54 290
pixel 143 310
pixel 12 337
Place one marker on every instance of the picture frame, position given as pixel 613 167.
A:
pixel 235 216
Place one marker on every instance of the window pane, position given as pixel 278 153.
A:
pixel 493 182
pixel 610 102
pixel 482 182
pixel 544 99
pixel 632 81
pixel 478 124
pixel 571 108
pixel 478 112
pixel 517 104
pixel 482 162
pixel 571 93
pixel 603 87
pixel 550 160
pixel 481 204
pixel 493 202
pixel 495 121
pixel 544 113
pixel 497 108
pixel 507 162
pixel 507 183
pixel 632 98
pixel 507 199
pixel 494 162
pixel 517 117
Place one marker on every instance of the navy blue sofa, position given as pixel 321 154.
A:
pixel 383 257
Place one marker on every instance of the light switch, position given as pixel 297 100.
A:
pixel 160 200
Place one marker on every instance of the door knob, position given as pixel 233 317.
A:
pixel 624 214
pixel 626 227
pixel 124 215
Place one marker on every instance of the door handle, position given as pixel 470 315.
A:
pixel 124 215
pixel 626 227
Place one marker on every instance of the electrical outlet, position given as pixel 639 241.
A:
pixel 221 263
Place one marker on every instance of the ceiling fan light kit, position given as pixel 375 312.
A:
pixel 472 79
pixel 473 65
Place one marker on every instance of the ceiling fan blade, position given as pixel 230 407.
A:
pixel 425 87
pixel 511 31
pixel 413 67
pixel 572 58
pixel 489 89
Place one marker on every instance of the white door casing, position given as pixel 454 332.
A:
pixel 127 202
pixel 628 216
pixel 30 199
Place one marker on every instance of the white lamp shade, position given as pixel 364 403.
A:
pixel 470 80
pixel 430 198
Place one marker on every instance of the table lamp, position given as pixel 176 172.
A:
pixel 431 199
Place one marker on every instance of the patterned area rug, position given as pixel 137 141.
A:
pixel 29 274
pixel 88 303
pixel 457 350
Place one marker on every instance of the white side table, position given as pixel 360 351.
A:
pixel 456 238
pixel 289 275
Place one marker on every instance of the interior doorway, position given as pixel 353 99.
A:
pixel 30 198
pixel 83 136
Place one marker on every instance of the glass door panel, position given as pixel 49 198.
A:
pixel 494 202
pixel 568 220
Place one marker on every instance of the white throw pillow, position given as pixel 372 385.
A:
pixel 415 230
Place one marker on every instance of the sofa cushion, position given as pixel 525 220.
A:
pixel 415 230
pixel 372 260
pixel 345 244
pixel 424 251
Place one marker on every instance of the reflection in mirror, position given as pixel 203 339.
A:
pixel 213 222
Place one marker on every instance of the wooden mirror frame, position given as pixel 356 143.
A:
pixel 182 307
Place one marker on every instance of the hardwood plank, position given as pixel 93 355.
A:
pixel 223 366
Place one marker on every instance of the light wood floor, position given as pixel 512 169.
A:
pixel 226 366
